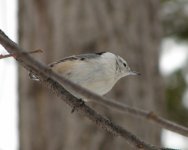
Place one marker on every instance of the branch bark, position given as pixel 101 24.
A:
pixel 54 81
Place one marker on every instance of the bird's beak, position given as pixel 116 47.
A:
pixel 134 73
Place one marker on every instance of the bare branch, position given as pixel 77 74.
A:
pixel 54 81
pixel 148 115
pixel 6 55
pixel 14 55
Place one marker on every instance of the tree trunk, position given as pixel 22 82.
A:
pixel 129 28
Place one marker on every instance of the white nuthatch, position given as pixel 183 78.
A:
pixel 97 72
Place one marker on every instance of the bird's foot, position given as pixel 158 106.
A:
pixel 80 103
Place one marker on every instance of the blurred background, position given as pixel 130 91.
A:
pixel 151 35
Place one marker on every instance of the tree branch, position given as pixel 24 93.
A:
pixel 54 81
pixel 14 55
pixel 6 55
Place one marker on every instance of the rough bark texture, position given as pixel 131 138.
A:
pixel 130 28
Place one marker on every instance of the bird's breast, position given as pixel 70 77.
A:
pixel 98 78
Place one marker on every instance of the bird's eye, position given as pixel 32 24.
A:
pixel 125 65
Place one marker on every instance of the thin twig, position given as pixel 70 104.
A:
pixel 6 55
pixel 15 55
pixel 54 81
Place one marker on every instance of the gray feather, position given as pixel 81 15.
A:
pixel 78 57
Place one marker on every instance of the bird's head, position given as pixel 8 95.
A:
pixel 123 68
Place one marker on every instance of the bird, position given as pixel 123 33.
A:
pixel 97 72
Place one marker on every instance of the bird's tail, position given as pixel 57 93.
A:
pixel 33 77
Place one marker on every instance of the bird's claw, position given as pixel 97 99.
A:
pixel 80 103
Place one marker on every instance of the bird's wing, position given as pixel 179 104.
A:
pixel 66 65
pixel 81 57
